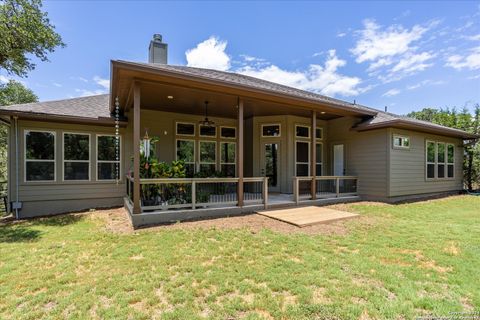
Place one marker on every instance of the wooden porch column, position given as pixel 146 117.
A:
pixel 313 153
pixel 240 153
pixel 136 148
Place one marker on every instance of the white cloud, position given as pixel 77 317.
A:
pixel 375 44
pixel 470 61
pixel 424 83
pixel 392 51
pixel 105 83
pixel 341 34
pixel 209 54
pixel 317 78
pixel 391 93
pixel 413 63
pixel 85 92
pixel 58 85
pixel 474 38
pixel 3 79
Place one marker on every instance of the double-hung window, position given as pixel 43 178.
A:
pixel 39 155
pixel 228 158
pixel 108 157
pixel 208 157
pixel 185 151
pixel 302 158
pixel 76 156
pixel 440 160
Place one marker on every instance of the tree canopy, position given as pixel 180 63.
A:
pixel 25 30
pixel 13 92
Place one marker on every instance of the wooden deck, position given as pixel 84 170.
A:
pixel 307 216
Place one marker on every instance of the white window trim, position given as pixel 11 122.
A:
pixel 450 163
pixel 401 137
pixel 25 160
pixel 230 138
pixel 194 152
pixel 304 126
pixel 234 158
pixel 444 163
pixel 108 161
pixel 309 159
pixel 200 162
pixel 321 160
pixel 89 161
pixel 271 124
pixel 321 133
pixel 204 136
pixel 185 135
pixel 436 163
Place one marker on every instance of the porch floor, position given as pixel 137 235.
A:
pixel 307 216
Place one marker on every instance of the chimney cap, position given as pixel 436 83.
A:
pixel 157 37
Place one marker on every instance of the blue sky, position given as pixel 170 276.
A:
pixel 404 55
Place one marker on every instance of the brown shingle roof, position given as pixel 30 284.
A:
pixel 250 82
pixel 91 107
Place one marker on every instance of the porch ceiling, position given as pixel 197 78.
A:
pixel 155 96
pixel 189 95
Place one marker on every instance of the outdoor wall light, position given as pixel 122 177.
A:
pixel 170 97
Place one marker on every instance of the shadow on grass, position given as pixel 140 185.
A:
pixel 60 220
pixel 23 231
pixel 18 233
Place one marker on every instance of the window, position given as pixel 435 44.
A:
pixel 228 132
pixel 108 160
pixel 450 161
pixel 319 158
pixel 208 156
pixel 440 160
pixel 302 158
pixel 76 156
pixel 185 151
pixel 319 133
pixel 39 155
pixel 185 129
pixel 208 131
pixel 430 160
pixel 227 158
pixel 401 142
pixel 270 130
pixel 302 132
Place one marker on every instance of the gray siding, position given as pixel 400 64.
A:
pixel 407 166
pixel 43 198
pixel 365 155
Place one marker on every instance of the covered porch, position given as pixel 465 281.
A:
pixel 243 150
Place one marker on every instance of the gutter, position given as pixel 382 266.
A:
pixel 418 127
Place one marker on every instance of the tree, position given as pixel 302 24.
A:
pixel 24 30
pixel 12 92
pixel 463 120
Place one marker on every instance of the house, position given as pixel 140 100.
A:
pixel 275 146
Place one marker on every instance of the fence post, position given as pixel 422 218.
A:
pixel 194 194
pixel 338 187
pixel 265 192
pixel 295 190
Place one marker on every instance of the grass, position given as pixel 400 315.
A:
pixel 396 262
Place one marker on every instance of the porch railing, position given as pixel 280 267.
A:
pixel 325 187
pixel 194 193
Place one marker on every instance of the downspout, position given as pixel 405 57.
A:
pixel 16 165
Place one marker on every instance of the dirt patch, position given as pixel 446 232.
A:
pixel 114 220
pixel 256 223
pixel 319 296
pixel 452 249
pixel 426 263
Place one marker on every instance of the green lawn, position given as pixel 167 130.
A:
pixel 395 262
